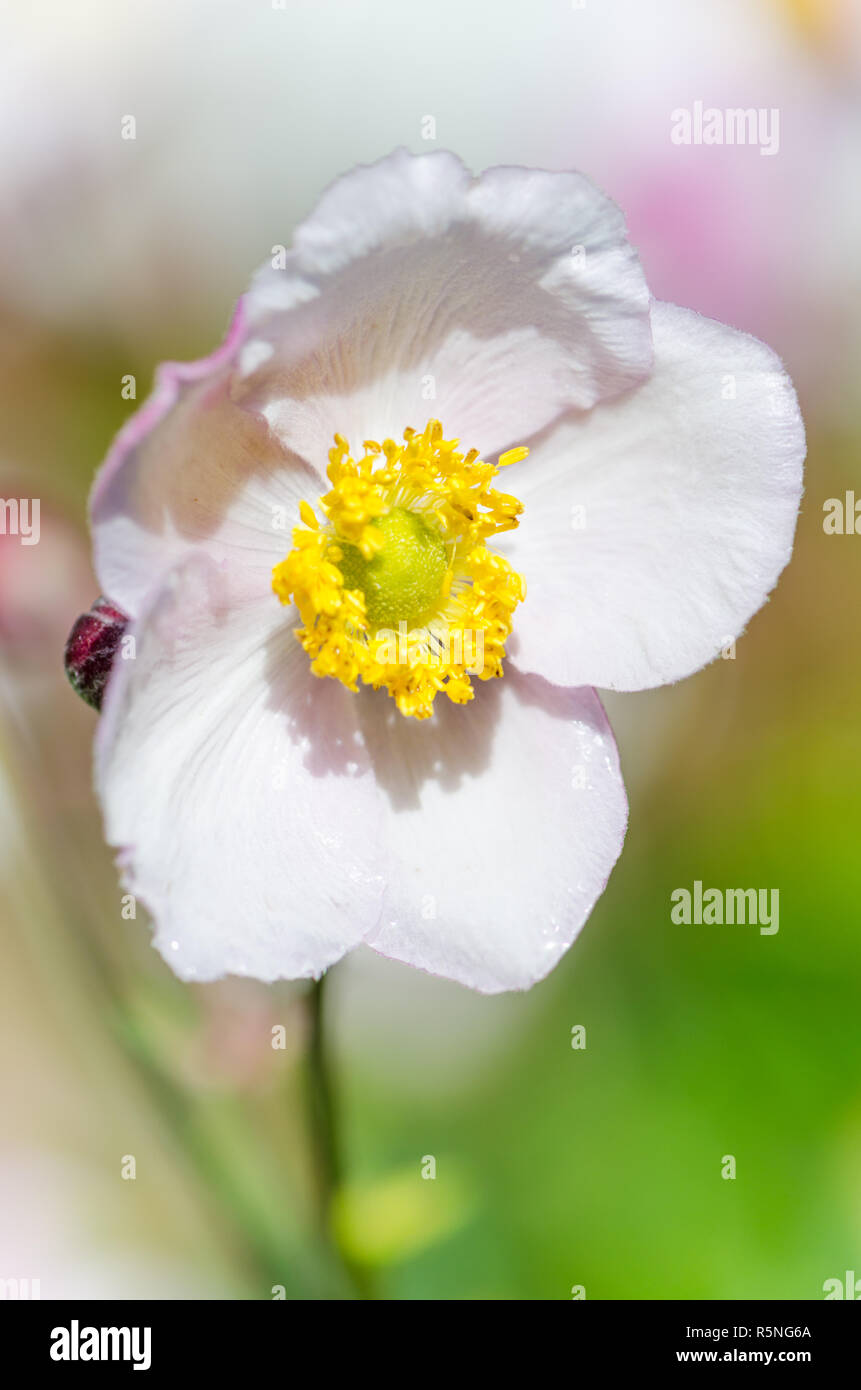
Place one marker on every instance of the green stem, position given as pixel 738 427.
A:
pixel 53 893
pixel 325 1137
pixel 322 1108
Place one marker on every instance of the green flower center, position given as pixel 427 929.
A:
pixel 404 579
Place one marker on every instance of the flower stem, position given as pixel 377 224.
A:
pixel 321 1104
pixel 325 1138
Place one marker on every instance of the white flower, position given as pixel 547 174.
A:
pixel 272 816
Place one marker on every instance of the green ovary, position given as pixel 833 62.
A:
pixel 405 577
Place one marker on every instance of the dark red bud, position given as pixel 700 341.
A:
pixel 91 649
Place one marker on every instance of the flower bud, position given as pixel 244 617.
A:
pixel 91 648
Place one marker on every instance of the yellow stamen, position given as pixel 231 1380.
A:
pixel 397 588
pixel 512 456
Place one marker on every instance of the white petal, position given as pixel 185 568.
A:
pixel 193 472
pixel 414 291
pixel 656 526
pixel 237 787
pixel 504 819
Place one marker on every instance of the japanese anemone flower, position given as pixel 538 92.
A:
pixel 381 729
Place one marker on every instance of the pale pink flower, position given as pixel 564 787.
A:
pixel 272 820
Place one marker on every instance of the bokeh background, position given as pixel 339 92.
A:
pixel 556 1167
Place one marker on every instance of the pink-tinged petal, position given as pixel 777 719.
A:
pixel 236 787
pixel 414 291
pixel 656 526
pixel 191 471
pixel 504 818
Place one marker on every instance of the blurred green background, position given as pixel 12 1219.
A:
pixel 555 1167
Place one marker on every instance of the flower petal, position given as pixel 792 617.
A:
pixel 237 786
pixel 655 527
pixel 192 471
pixel 415 291
pixel 504 819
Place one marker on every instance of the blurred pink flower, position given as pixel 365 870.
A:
pixel 124 236
pixel 52 1247
pixel 43 577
